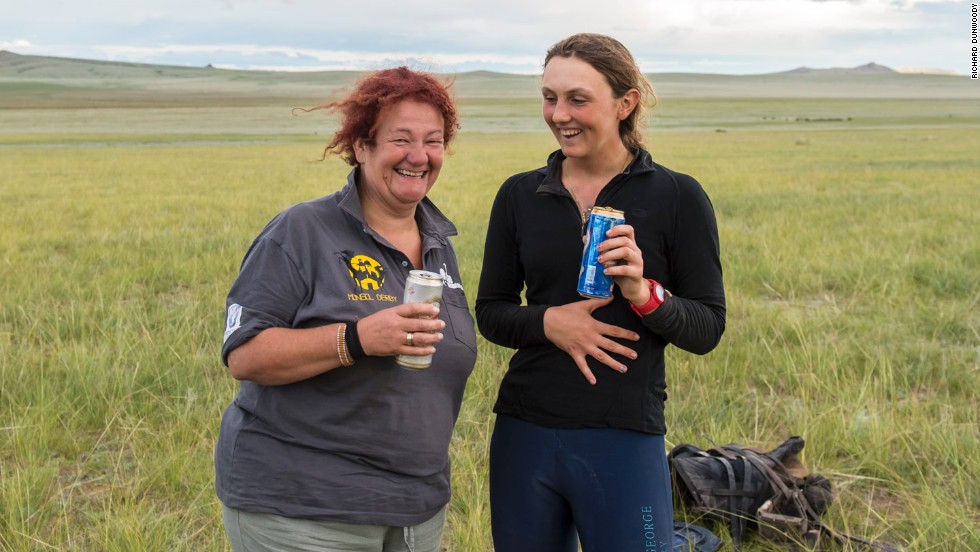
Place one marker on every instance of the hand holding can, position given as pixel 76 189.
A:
pixel 592 282
pixel 421 286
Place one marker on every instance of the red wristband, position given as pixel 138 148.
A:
pixel 657 297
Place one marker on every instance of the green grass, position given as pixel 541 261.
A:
pixel 850 253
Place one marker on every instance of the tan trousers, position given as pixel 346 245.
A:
pixel 258 532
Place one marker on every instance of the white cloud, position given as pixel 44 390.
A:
pixel 311 58
pixel 720 35
pixel 15 44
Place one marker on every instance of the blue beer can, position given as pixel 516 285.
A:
pixel 592 282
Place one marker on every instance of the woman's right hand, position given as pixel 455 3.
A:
pixel 277 356
pixel 572 329
pixel 385 333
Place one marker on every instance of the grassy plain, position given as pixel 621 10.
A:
pixel 850 249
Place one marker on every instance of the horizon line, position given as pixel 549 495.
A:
pixel 914 70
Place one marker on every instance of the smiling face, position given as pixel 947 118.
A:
pixel 580 109
pixel 404 161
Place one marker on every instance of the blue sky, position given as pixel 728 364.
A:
pixel 703 36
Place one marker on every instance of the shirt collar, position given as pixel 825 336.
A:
pixel 642 163
pixel 430 218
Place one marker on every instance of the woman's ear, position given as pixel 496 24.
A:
pixel 628 103
pixel 359 148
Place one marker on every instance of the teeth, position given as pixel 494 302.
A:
pixel 410 174
pixel 570 132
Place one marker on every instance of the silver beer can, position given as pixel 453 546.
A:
pixel 421 286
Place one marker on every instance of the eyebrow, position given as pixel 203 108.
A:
pixel 584 91
pixel 429 134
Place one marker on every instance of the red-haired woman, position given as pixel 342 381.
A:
pixel 329 444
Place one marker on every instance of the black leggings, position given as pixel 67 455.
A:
pixel 610 487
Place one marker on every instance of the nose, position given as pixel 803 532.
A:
pixel 559 112
pixel 416 154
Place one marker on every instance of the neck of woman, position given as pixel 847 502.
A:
pixel 601 166
pixel 584 177
pixel 388 223
pixel 400 229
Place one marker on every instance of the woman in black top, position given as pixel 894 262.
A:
pixel 578 447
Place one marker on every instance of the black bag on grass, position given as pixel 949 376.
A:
pixel 771 491
pixel 693 538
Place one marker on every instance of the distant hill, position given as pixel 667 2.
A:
pixel 68 82
pixel 867 69
pixel 40 81
pixel 17 65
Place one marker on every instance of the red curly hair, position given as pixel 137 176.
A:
pixel 374 94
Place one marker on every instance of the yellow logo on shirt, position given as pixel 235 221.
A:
pixel 368 274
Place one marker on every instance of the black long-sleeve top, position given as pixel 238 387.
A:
pixel 534 241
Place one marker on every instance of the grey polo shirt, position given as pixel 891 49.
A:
pixel 366 443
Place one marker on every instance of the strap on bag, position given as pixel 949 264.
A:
pixel 784 487
pixel 807 510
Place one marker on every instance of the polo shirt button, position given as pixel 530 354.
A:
pixel 404 263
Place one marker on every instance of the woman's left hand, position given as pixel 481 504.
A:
pixel 624 262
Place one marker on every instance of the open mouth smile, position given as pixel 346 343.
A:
pixel 410 174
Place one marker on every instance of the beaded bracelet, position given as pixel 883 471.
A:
pixel 342 353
